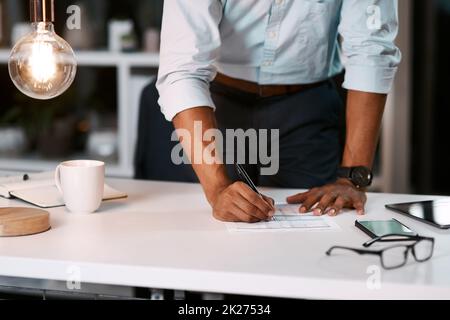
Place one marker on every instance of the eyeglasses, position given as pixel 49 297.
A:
pixel 396 256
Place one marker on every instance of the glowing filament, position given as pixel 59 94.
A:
pixel 42 62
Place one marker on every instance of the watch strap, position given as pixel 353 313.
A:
pixel 344 172
pixel 348 173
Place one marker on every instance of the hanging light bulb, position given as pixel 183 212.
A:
pixel 42 65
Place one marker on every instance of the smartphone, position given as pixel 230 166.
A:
pixel 380 228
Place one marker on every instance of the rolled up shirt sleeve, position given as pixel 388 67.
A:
pixel 190 44
pixel 368 29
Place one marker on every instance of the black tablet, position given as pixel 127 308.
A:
pixel 436 212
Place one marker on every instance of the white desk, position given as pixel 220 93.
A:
pixel 163 236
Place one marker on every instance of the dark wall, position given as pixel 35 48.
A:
pixel 431 97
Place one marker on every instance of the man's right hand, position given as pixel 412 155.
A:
pixel 231 202
pixel 239 203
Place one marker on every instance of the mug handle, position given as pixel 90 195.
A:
pixel 58 179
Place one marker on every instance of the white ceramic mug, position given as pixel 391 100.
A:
pixel 81 183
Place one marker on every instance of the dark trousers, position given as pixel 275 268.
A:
pixel 310 125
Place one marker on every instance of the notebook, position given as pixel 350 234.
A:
pixel 40 190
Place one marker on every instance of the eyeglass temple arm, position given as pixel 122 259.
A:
pixel 406 237
pixel 358 251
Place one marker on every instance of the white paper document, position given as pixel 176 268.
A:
pixel 287 218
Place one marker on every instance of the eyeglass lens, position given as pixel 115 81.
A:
pixel 397 256
pixel 423 250
pixel 394 257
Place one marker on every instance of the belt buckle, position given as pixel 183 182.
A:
pixel 262 91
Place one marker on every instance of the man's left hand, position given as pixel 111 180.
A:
pixel 331 199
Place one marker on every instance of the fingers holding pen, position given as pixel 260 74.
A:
pixel 239 203
pixel 264 204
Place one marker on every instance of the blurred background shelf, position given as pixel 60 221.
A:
pixel 97 117
pixel 21 165
pixel 106 58
pixel 127 74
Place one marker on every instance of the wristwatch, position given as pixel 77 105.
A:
pixel 361 177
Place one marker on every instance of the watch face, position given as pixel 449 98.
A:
pixel 361 176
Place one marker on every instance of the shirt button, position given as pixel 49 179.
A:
pixel 267 63
pixel 272 34
pixel 279 2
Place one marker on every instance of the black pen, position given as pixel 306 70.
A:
pixel 244 175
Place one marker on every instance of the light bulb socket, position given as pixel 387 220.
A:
pixel 42 10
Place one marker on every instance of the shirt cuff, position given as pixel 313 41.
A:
pixel 369 79
pixel 184 94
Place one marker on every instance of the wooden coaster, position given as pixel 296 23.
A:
pixel 16 222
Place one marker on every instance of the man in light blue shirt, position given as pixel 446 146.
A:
pixel 278 57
